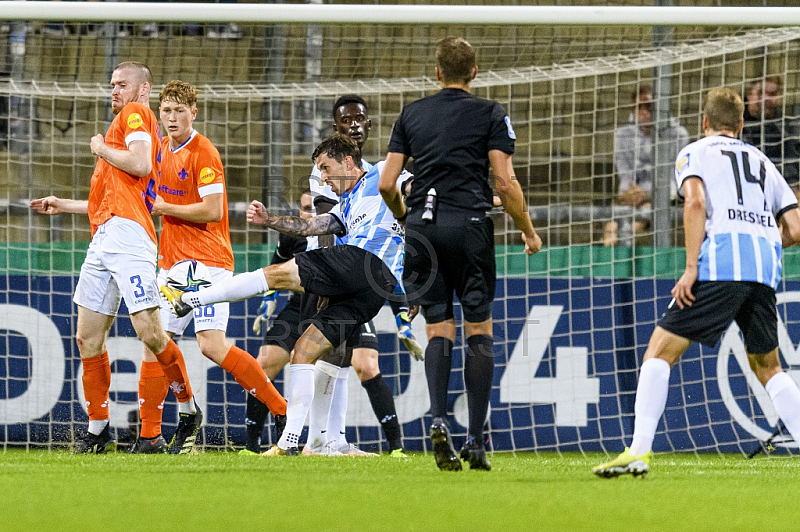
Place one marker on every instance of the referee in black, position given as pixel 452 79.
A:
pixel 453 138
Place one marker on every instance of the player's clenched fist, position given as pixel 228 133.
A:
pixel 532 243
pixel 256 214
pixel 97 143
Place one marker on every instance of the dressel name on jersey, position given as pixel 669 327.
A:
pixel 764 220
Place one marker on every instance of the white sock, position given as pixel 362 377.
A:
pixel 301 392
pixel 651 399
pixel 338 416
pixel 238 287
pixel 187 407
pixel 96 426
pixel 324 382
pixel 785 396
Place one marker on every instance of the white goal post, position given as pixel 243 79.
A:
pixel 314 12
pixel 571 323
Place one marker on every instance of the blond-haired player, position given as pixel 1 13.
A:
pixel 738 216
pixel 192 201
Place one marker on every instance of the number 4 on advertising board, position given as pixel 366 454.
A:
pixel 570 390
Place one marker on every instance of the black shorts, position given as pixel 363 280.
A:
pixel 717 304
pixel 356 283
pixel 455 254
pixel 285 328
pixel 365 338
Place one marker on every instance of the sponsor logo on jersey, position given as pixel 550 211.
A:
pixel 682 163
pixel 511 133
pixel 135 121
pixel 171 191
pixel 357 220
pixel 207 175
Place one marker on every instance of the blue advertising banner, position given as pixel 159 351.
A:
pixel 567 353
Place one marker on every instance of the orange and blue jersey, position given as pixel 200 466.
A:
pixel 117 193
pixel 189 173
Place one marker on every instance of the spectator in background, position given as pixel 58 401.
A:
pixel 767 129
pixel 634 157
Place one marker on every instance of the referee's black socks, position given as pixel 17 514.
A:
pixel 438 362
pixel 382 401
pixel 478 372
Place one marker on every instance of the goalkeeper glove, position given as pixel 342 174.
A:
pixel 266 310
pixel 407 337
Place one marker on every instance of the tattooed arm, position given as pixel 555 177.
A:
pixel 325 224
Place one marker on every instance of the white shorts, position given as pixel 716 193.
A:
pixel 209 318
pixel 120 263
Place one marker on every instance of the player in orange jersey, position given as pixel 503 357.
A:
pixel 193 204
pixel 121 259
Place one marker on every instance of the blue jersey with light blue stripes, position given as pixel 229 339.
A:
pixel 368 222
pixel 745 198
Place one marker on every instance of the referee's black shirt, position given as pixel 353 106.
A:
pixel 449 136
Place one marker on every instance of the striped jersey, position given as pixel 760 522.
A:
pixel 189 173
pixel 745 197
pixel 368 222
pixel 116 193
pixel 319 188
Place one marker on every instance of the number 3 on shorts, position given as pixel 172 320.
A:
pixel 136 281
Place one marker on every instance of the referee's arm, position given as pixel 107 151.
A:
pixel 507 187
pixel 387 185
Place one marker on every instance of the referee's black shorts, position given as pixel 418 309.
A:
pixel 717 304
pixel 356 283
pixel 454 254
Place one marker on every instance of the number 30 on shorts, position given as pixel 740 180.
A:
pixel 204 312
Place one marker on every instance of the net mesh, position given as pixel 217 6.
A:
pixel 571 323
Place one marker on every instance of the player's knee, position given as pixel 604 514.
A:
pixel 155 339
pixel 437 313
pixel 212 350
pixel 89 346
pixel 365 362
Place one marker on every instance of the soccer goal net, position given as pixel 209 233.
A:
pixel 571 323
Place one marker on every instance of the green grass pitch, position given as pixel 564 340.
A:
pixel 225 491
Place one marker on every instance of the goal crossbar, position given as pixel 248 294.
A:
pixel 403 14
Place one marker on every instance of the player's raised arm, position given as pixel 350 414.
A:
pixel 53 205
pixel 324 224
